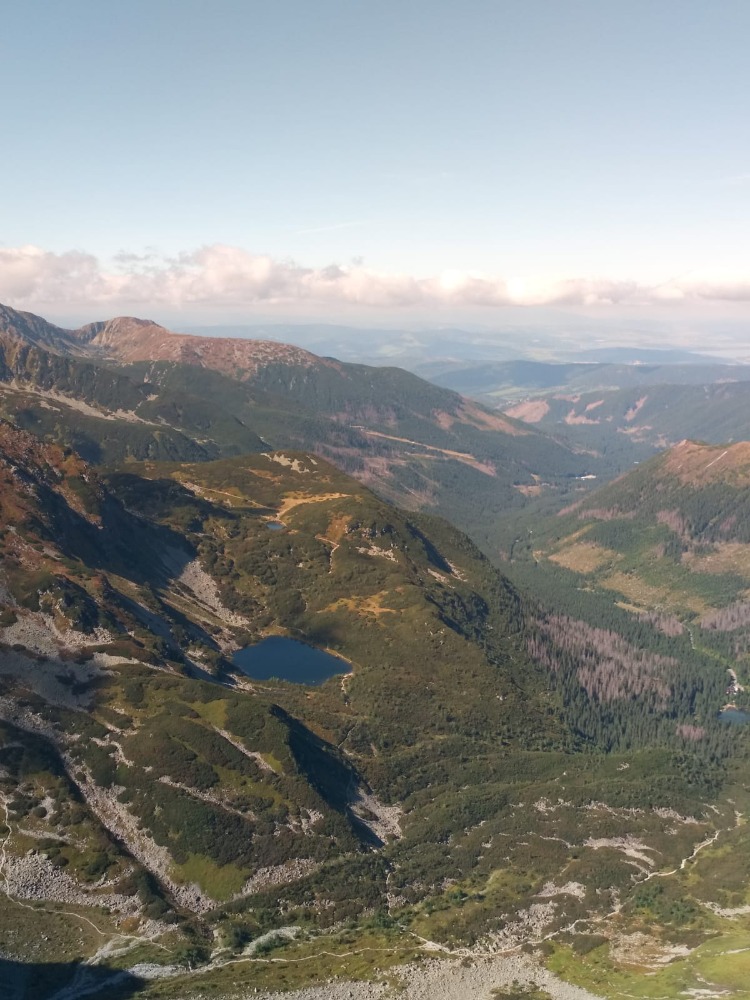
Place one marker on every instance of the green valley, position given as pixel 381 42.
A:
pixel 519 772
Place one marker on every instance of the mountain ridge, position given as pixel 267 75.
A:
pixel 450 789
pixel 418 445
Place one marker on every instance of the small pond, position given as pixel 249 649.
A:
pixel 734 716
pixel 275 525
pixel 289 660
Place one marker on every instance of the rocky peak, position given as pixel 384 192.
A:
pixel 27 328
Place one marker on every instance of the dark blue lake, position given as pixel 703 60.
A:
pixel 288 660
pixel 734 716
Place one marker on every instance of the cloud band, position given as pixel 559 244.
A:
pixel 218 275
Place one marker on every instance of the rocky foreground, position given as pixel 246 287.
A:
pixel 442 979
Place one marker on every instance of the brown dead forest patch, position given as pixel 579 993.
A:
pixel 531 412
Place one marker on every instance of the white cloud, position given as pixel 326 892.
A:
pixel 223 276
pixel 29 274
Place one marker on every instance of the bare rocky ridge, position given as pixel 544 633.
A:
pixel 129 339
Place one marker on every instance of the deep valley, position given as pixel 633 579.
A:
pixel 511 773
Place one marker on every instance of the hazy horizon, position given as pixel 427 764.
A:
pixel 404 165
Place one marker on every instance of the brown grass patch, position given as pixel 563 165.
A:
pixel 485 421
pixel 573 419
pixel 646 595
pixel 700 463
pixel 632 413
pixel 336 529
pixel 727 557
pixel 531 412
pixel 292 500
pixel 362 606
pixel 444 420
pixel 262 474
pixel 630 608
pixel 584 557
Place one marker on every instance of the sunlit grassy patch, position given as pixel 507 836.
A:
pixel 584 557
pixel 648 595
pixel 218 881
pixel 214 712
pixel 719 964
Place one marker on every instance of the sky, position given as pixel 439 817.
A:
pixel 420 161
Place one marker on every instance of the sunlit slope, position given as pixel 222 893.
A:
pixel 129 389
pixel 444 790
pixel 624 425
pixel 662 558
pixel 430 627
pixel 673 533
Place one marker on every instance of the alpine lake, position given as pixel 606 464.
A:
pixel 288 660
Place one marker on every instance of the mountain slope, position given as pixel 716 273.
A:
pixel 86 616
pixel 631 424
pixel 499 383
pixel 416 444
pixel 667 544
pixel 436 792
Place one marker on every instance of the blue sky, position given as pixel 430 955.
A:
pixel 324 158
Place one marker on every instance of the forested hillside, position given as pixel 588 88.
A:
pixel 495 747
pixel 188 811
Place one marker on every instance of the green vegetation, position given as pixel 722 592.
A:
pixel 500 749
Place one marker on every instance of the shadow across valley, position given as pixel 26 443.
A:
pixel 65 981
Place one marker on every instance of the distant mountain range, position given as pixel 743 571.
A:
pixel 431 350
pixel 498 383
pixel 128 388
pixel 631 424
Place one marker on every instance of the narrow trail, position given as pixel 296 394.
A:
pixel 659 874
pixel 6 838
pixel 736 686
pixel 334 546
pixel 214 966
pixel 686 861
pixel 114 944
pixel 85 981
pixel 717 459
pixel 83 984
pixel 26 906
